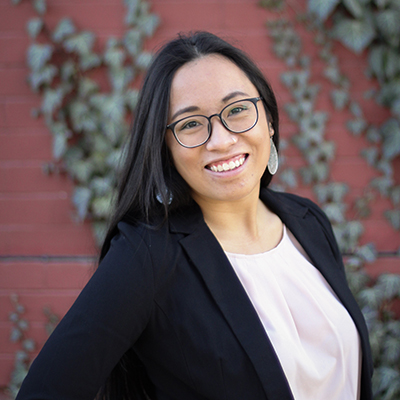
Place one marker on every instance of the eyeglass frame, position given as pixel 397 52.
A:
pixel 171 126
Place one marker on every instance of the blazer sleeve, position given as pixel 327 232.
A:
pixel 103 323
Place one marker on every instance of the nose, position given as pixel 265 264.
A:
pixel 221 138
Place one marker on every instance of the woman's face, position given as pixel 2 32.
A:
pixel 205 86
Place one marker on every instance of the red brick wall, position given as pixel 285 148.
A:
pixel 44 253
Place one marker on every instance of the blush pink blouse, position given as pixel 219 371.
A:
pixel 313 335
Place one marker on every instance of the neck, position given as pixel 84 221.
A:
pixel 245 225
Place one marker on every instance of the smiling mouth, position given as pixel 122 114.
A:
pixel 228 165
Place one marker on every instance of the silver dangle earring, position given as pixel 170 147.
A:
pixel 273 161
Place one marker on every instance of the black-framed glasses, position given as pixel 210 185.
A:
pixel 238 117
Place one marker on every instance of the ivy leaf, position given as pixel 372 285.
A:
pixel 102 205
pixel 373 135
pixel 133 41
pixel 132 12
pixel 29 345
pixel 371 297
pixel 354 34
pixel 395 195
pixel 144 60
pixel 295 79
pixel 340 98
pixel 64 29
pixel 89 60
pixel 148 24
pixel 394 218
pixel 101 185
pixel 288 178
pixel 114 57
pixel 34 27
pixel 391 139
pixel 354 7
pixel 368 252
pixel 99 231
pixel 43 76
pixel 81 199
pixel 121 78
pixel 356 109
pixel 39 55
pixel 357 126
pixel 15 335
pixel 52 99
pixel 335 212
pixel 81 43
pixel 131 98
pixel 61 134
pixel 383 185
pixel 40 6
pixel 87 87
pixel 389 92
pixel 68 70
pixel 388 23
pixel 396 108
pixel 371 154
pixel 390 284
pixel 322 9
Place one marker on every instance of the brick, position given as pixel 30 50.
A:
pixel 69 275
pixel 22 275
pixel 6 367
pixel 26 146
pixel 35 209
pixel 2 116
pixel 243 15
pixel 19 113
pixel 381 234
pixel 34 302
pixel 55 239
pixel 383 265
pixel 13 81
pixel 353 171
pixel 13 50
pixel 189 16
pixel 14 18
pixel 25 177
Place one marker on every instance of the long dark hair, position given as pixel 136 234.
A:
pixel 148 180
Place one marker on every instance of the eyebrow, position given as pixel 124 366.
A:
pixel 195 108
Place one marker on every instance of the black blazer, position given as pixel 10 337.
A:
pixel 171 295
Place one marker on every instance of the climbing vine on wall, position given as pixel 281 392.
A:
pixel 375 298
pixel 88 123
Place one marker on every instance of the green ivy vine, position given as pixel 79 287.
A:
pixel 374 297
pixel 19 335
pixel 88 123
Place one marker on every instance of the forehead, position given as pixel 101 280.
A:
pixel 207 80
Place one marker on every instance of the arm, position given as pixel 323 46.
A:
pixel 104 322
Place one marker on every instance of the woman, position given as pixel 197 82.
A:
pixel 210 285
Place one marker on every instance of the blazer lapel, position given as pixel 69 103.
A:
pixel 207 255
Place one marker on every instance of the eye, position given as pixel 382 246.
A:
pixel 237 109
pixel 190 124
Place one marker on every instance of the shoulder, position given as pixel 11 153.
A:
pixel 289 203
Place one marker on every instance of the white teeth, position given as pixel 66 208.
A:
pixel 228 166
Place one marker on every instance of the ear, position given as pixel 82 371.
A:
pixel 271 129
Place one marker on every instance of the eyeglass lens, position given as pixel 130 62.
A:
pixel 237 117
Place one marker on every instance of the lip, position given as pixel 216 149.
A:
pixel 224 165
